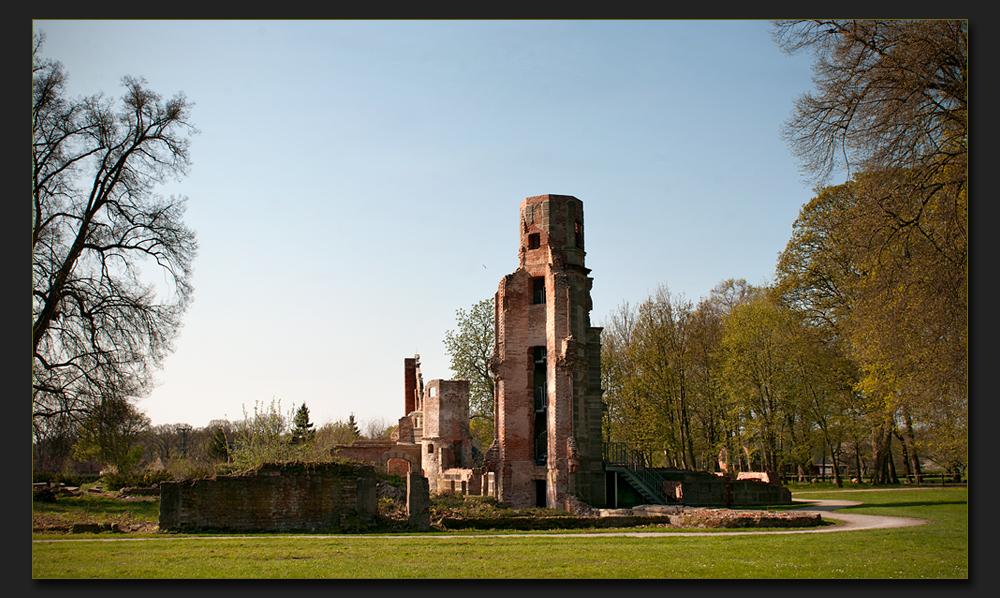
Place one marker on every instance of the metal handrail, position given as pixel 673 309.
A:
pixel 541 448
pixel 541 397
pixel 617 453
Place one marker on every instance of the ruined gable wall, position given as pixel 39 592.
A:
pixel 446 441
pixel 446 410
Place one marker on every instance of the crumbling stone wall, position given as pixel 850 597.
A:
pixel 293 496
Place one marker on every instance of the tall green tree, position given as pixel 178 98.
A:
pixel 719 431
pixel 648 378
pixel 661 353
pixel 352 427
pixel 617 368
pixel 302 429
pixel 757 377
pixel 470 347
pixel 111 434
pixel 893 306
pixel 661 369
pixel 100 236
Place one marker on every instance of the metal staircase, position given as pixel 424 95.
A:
pixel 632 465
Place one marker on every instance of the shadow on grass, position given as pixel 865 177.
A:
pixel 894 505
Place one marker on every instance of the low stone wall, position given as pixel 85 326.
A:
pixel 295 496
pixel 699 488
pixel 153 490
pixel 753 492
pixel 46 492
pixel 673 516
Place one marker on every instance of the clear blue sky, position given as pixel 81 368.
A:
pixel 355 183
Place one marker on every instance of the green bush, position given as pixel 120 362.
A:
pixel 391 478
pixel 139 479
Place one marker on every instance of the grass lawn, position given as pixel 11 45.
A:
pixel 938 549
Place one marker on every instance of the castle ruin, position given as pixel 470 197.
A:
pixel 546 366
pixel 548 449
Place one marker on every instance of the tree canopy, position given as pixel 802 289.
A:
pixel 881 261
pixel 890 95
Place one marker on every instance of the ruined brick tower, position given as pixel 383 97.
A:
pixel 547 366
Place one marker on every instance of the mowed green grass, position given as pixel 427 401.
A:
pixel 938 549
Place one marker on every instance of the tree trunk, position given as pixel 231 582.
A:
pixel 906 454
pixel 893 479
pixel 882 457
pixel 858 472
pixel 912 442
pixel 836 470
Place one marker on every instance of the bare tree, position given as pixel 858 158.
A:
pixel 378 428
pixel 52 441
pixel 111 261
pixel 889 94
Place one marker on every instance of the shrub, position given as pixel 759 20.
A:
pixel 181 469
pixel 142 479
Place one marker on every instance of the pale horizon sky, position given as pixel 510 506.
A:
pixel 356 182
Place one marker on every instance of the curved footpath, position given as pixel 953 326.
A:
pixel 826 507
